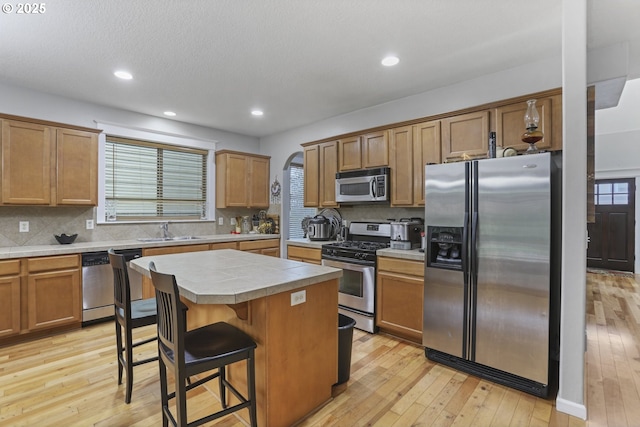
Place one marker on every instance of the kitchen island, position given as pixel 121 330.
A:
pixel 288 307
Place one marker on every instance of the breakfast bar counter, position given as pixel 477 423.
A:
pixel 290 309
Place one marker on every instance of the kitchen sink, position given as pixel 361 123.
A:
pixel 167 239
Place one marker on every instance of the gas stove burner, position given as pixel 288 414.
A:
pixel 360 246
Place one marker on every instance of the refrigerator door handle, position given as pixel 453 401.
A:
pixel 473 286
pixel 464 250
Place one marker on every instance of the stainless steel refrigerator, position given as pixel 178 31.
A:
pixel 492 268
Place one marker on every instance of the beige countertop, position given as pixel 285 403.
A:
pixel 413 254
pixel 75 248
pixel 228 276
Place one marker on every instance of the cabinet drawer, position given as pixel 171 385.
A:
pixel 304 253
pixel 53 263
pixel 10 267
pixel 223 245
pixel 395 265
pixel 175 249
pixel 258 244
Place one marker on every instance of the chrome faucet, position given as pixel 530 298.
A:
pixel 165 230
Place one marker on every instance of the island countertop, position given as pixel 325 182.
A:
pixel 229 276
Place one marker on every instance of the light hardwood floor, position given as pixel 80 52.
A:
pixel 70 380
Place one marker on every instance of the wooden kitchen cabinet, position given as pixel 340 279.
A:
pixel 223 245
pixel 270 247
pixel 401 165
pixel 54 296
pixel 465 136
pixel 303 254
pixel 44 164
pixel 363 152
pixel 28 162
pixel 77 168
pixel 320 167
pixel 510 124
pixel 9 298
pixel 410 149
pixel 399 297
pixel 350 154
pixel 427 149
pixel 242 180
pixel 375 150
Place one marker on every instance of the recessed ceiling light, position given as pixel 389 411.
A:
pixel 169 113
pixel 124 75
pixel 390 61
pixel 257 112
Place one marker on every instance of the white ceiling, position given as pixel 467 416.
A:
pixel 212 61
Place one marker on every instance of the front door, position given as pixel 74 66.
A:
pixel 612 235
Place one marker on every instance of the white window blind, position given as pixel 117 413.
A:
pixel 297 211
pixel 146 180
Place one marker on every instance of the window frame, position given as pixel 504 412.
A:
pixel 154 137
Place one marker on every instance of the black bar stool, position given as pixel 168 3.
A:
pixel 193 352
pixel 129 315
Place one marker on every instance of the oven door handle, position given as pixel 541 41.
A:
pixel 346 266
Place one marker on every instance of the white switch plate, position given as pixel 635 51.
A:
pixel 232 221
pixel 89 224
pixel 221 221
pixel 24 226
pixel 298 297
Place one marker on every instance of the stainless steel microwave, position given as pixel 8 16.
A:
pixel 361 186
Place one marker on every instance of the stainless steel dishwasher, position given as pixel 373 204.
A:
pixel 97 284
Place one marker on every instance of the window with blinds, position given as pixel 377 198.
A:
pixel 297 211
pixel 145 180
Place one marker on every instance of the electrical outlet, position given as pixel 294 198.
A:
pixel 221 221
pixel 232 221
pixel 298 297
pixel 89 224
pixel 24 226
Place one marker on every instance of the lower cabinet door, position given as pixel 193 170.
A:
pixel 54 299
pixel 399 305
pixel 9 306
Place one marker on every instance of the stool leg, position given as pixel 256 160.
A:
pixel 164 399
pixel 251 385
pixel 222 371
pixel 129 363
pixel 119 350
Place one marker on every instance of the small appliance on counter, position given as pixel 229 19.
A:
pixel 406 233
pixel 319 228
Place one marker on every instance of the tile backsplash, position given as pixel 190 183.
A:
pixel 44 222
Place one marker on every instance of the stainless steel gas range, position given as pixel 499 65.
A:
pixel 357 258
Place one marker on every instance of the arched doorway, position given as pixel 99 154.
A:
pixel 293 210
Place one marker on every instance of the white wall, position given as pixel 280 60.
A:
pixel 19 101
pixel 617 145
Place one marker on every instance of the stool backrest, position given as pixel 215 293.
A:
pixel 170 316
pixel 121 289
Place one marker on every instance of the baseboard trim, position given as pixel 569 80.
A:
pixel 571 408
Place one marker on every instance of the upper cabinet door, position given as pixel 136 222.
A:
pixel 311 176
pixel 258 182
pixel 28 161
pixel 465 136
pixel 375 150
pixel 328 169
pixel 401 157
pixel 510 125
pixel 77 168
pixel 350 154
pixel 427 149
